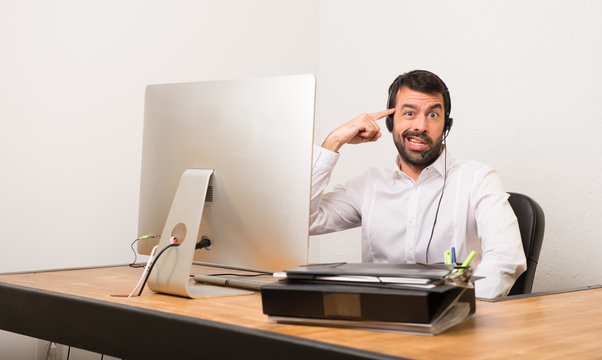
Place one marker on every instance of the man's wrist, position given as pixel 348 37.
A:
pixel 332 144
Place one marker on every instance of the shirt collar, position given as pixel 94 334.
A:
pixel 438 165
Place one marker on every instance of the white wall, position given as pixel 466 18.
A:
pixel 526 84
pixel 525 79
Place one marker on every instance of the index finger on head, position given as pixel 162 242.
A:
pixel 382 114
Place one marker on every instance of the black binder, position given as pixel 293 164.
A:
pixel 429 309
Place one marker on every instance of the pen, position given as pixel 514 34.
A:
pixel 467 261
pixel 453 251
pixel 229 281
pixel 447 257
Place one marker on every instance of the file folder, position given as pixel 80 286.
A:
pixel 304 298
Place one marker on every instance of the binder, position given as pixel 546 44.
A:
pixel 303 297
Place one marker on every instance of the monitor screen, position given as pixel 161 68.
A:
pixel 256 135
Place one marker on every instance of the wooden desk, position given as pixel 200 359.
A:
pixel 75 307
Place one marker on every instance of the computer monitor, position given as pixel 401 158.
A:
pixel 254 139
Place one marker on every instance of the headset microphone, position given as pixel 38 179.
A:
pixel 427 153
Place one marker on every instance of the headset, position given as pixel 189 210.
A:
pixel 394 88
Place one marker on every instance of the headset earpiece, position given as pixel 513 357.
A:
pixel 448 124
pixel 389 120
pixel 448 120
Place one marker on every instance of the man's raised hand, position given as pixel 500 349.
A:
pixel 359 130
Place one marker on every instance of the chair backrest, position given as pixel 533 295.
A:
pixel 531 221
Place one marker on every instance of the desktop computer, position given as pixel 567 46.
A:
pixel 228 161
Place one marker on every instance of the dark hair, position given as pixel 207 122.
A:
pixel 425 82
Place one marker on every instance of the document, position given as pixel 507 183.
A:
pixel 381 273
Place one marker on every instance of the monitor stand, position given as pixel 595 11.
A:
pixel 171 272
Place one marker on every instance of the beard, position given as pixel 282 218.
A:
pixel 416 158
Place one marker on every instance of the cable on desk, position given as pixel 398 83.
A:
pixel 146 270
pixel 144 237
pixel 204 243
pixel 153 264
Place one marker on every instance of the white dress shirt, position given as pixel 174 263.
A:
pixel 396 216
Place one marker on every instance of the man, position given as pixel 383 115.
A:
pixel 427 202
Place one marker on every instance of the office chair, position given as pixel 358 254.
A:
pixel 531 221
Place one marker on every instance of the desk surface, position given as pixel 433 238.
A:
pixel 558 325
